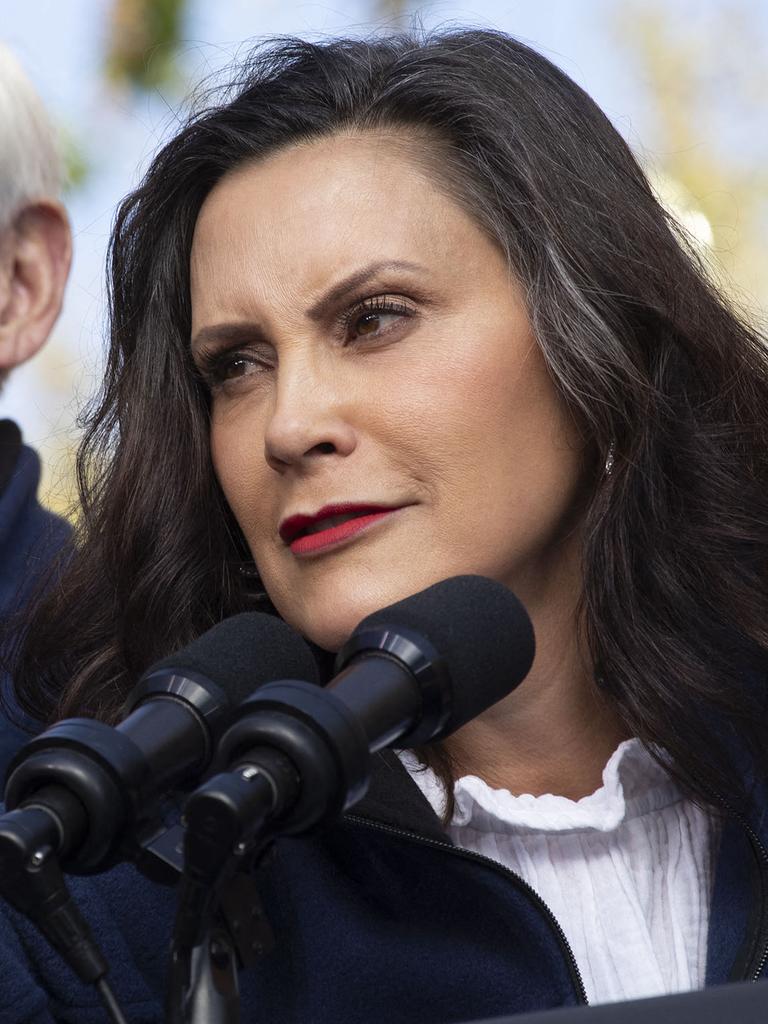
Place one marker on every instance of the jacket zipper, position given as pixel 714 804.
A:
pixel 757 843
pixel 520 883
pixel 761 931
pixel 761 854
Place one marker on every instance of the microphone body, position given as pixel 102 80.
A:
pixel 98 783
pixel 297 755
pixel 409 675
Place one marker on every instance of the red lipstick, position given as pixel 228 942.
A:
pixel 305 534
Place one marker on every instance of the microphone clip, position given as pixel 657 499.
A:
pixel 32 882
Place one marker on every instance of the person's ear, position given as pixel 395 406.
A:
pixel 35 255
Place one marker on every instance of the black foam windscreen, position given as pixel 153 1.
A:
pixel 480 630
pixel 243 652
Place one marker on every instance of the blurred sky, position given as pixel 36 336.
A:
pixel 62 44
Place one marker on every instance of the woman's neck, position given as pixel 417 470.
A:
pixel 560 754
pixel 554 733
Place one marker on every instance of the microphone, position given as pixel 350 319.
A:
pixel 83 787
pixel 420 669
pixel 410 674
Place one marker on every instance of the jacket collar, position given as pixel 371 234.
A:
pixel 10 449
pixel 394 799
pixel 30 536
pixel 20 472
pixel 738 926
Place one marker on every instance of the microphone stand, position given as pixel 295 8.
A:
pixel 224 838
pixel 203 986
pixel 237 936
pixel 302 756
pixel 301 732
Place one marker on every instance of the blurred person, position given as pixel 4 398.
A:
pixel 35 254
pixel 389 312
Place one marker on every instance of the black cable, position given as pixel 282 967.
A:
pixel 110 1002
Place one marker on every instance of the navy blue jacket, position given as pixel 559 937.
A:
pixel 378 919
pixel 30 537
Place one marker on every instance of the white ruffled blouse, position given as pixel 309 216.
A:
pixel 627 871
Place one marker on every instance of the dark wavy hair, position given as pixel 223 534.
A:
pixel 642 348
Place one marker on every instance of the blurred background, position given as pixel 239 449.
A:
pixel 685 81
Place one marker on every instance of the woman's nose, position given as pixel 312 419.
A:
pixel 309 423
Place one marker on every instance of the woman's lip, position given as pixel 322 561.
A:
pixel 335 535
pixel 294 525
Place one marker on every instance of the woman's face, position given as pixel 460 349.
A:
pixel 382 417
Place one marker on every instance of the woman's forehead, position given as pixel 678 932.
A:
pixel 345 175
pixel 324 210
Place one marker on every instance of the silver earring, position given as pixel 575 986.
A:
pixel 610 458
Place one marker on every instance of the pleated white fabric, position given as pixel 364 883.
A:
pixel 627 871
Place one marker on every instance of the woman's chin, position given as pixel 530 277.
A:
pixel 328 613
pixel 330 623
pixel 329 636
pixel 327 624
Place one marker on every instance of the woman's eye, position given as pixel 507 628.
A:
pixel 237 366
pixel 372 323
pixel 220 369
pixel 376 318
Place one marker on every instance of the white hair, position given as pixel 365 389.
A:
pixel 30 163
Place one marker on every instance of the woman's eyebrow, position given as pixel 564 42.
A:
pixel 320 309
pixel 240 332
pixel 227 333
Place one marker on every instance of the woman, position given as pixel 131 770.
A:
pixel 422 284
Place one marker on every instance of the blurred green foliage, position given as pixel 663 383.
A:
pixel 144 40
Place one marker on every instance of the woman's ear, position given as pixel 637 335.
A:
pixel 35 255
